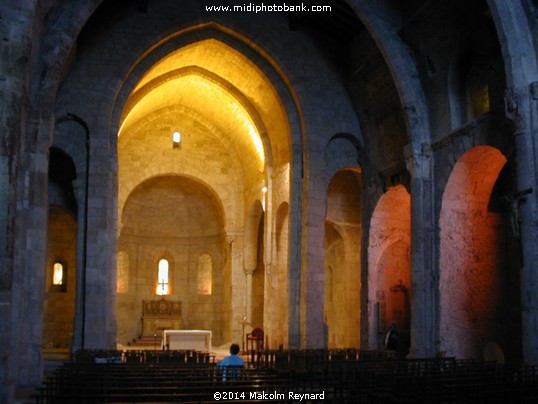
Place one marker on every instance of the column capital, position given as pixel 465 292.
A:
pixel 249 271
pixel 418 162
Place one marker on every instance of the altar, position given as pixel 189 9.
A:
pixel 199 340
pixel 160 315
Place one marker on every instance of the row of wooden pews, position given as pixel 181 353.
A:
pixel 358 376
pixel 115 381
pixel 141 356
pixel 336 376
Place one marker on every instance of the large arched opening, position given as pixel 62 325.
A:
pixel 192 114
pixel 342 259
pixel 389 263
pixel 476 286
pixel 61 266
pixel 172 248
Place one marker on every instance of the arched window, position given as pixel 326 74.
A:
pixel 163 281
pixel 59 276
pixel 205 274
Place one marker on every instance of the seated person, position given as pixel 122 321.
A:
pixel 232 364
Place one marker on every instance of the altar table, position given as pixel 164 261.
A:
pixel 199 340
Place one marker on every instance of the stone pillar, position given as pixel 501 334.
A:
pixel 313 327
pixel 6 277
pixel 250 262
pixel 30 262
pixel 294 263
pixel 101 252
pixel 233 293
pixel 23 206
pixel 79 320
pixel 248 295
pixel 424 272
pixel 522 108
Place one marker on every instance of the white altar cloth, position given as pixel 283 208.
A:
pixel 199 340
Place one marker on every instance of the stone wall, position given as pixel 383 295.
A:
pixel 343 260
pixel 177 219
pixel 474 279
pixel 59 310
pixel 389 260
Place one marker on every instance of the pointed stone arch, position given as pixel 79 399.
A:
pixel 389 264
pixel 473 288
pixel 343 223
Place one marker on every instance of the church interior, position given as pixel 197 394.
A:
pixel 318 170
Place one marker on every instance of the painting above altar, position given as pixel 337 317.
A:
pixel 160 315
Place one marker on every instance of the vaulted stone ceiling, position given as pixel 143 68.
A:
pixel 214 84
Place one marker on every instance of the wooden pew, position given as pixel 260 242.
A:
pixel 345 376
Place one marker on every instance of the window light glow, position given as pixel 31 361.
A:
pixel 57 274
pixel 162 280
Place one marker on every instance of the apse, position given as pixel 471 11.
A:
pixel 172 248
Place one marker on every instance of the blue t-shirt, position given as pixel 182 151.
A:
pixel 231 373
pixel 232 360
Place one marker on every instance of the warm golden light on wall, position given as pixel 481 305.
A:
pixel 217 85
pixel 205 274
pixel 258 144
pixel 264 197
pixel 218 104
pixel 122 281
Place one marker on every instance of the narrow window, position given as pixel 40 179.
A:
pixel 59 276
pixel 163 277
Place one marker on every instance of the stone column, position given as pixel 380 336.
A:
pixel 294 264
pixel 79 320
pixel 522 108
pixel 313 327
pixel 233 292
pixel 248 300
pixel 101 252
pixel 250 262
pixel 424 273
